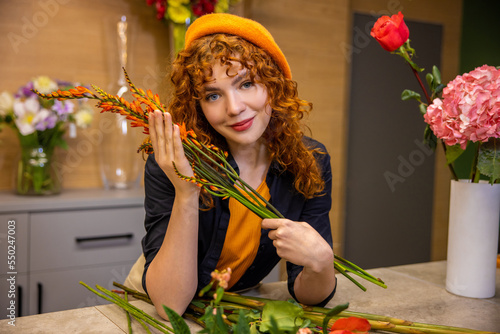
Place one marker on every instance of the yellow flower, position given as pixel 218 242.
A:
pixel 222 6
pixel 178 13
pixel 177 3
pixel 84 116
pixel 44 84
pixel 6 103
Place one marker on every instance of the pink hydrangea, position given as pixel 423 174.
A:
pixel 469 108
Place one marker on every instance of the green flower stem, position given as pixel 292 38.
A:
pixel 398 325
pixel 415 72
pixel 129 322
pixel 414 68
pixel 475 175
pixel 343 272
pixel 361 273
pixel 338 258
pixel 142 324
pixel 230 172
pixel 136 294
pixel 109 296
pixel 206 171
pixel 232 301
pixel 195 319
pixel 450 166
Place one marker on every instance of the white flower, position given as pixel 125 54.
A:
pixel 27 115
pixel 84 116
pixel 44 84
pixel 6 103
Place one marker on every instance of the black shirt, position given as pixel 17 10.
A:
pixel 213 223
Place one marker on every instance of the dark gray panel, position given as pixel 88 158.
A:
pixel 390 174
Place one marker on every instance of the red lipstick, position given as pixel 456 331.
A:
pixel 243 125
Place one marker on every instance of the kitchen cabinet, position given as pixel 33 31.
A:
pixel 90 235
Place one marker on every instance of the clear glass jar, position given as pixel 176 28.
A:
pixel 37 172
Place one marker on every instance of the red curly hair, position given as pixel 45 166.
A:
pixel 193 68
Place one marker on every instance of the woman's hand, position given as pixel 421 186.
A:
pixel 167 146
pixel 299 243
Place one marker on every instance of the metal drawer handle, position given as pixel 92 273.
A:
pixel 40 295
pixel 105 237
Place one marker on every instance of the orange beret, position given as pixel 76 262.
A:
pixel 247 29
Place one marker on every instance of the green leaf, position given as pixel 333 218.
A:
pixel 439 89
pixel 437 74
pixel 214 324
pixel 286 316
pixel 241 327
pixel 179 325
pixel 220 293
pixel 333 312
pixel 453 152
pixel 423 108
pixel 197 303
pixel 429 138
pixel 489 159
pixel 306 323
pixel 409 94
pixel 206 289
pixel 430 79
pixel 253 329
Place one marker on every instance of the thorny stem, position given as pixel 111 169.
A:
pixel 429 101
pixel 415 72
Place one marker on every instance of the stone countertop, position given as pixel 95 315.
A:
pixel 415 292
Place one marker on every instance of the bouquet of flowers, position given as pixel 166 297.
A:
pixel 40 125
pixel 182 12
pixel 212 172
pixel 463 112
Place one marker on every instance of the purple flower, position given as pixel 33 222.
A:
pixel 47 120
pixel 63 108
pixel 63 83
pixel 25 91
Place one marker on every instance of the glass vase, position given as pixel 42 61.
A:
pixel 37 172
pixel 119 160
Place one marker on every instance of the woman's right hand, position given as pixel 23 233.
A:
pixel 167 146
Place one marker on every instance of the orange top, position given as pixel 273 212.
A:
pixel 242 237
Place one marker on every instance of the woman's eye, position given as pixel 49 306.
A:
pixel 247 84
pixel 211 97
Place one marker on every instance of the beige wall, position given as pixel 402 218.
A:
pixel 74 40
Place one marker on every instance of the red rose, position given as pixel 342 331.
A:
pixel 390 32
pixel 161 6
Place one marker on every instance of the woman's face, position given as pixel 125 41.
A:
pixel 236 107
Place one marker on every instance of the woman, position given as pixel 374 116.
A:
pixel 233 87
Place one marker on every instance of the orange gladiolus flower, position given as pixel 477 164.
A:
pixel 185 133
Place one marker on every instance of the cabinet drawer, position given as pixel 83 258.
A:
pixel 85 237
pixel 61 290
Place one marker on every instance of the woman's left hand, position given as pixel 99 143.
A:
pixel 299 243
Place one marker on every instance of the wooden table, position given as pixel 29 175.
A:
pixel 415 292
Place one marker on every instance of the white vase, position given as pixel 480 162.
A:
pixel 473 239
